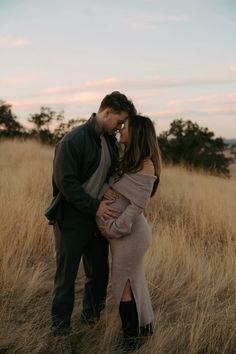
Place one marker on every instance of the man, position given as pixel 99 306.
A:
pixel 83 161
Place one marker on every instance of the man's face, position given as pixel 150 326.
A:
pixel 113 121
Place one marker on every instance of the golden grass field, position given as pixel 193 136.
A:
pixel 190 266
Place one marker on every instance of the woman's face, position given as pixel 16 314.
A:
pixel 124 133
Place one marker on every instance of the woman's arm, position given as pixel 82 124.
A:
pixel 123 224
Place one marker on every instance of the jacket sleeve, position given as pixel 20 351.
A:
pixel 66 164
pixel 123 224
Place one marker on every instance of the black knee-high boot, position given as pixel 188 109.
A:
pixel 130 326
pixel 129 318
pixel 134 337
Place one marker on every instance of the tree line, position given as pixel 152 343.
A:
pixel 48 126
pixel 184 143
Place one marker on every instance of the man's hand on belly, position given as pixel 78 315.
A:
pixel 105 211
pixel 111 194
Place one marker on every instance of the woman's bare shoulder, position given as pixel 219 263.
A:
pixel 148 167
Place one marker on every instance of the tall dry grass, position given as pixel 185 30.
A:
pixel 190 266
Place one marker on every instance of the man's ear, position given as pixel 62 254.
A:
pixel 106 112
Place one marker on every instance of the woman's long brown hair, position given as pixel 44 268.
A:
pixel 142 145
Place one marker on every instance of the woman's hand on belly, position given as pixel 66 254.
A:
pixel 106 211
pixel 103 230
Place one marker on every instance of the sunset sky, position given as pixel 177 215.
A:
pixel 173 58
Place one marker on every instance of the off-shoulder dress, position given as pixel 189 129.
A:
pixel 129 237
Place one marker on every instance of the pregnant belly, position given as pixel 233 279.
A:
pixel 119 204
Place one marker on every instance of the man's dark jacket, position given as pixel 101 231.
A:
pixel 77 157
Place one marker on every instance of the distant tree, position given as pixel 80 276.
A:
pixel 187 143
pixel 46 116
pixel 64 128
pixel 48 126
pixel 9 126
pixel 42 122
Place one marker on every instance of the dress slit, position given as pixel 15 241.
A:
pixel 133 295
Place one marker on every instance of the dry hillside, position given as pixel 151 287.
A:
pixel 190 266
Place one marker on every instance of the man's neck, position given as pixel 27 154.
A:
pixel 98 124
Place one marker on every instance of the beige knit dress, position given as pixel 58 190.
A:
pixel 129 237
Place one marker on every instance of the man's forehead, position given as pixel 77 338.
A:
pixel 124 117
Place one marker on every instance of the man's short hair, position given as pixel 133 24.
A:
pixel 118 102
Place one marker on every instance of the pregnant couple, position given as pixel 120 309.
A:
pixel 100 189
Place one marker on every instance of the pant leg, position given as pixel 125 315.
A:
pixel 68 254
pixel 96 267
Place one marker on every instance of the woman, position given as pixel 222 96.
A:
pixel 135 180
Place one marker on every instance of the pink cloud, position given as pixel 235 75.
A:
pixel 198 99
pixel 232 96
pixel 104 83
pixel 18 79
pixel 232 68
pixel 218 110
pixel 61 90
pixel 107 83
pixel 114 83
pixel 83 97
pixel 156 82
pixel 187 114
pixel 25 104
pixel 164 113
pixel 8 41
pixel 91 92
pixel 20 42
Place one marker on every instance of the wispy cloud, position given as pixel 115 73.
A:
pixel 85 97
pixel 81 98
pixel 8 41
pixel 165 113
pixel 153 21
pixel 200 102
pixel 89 94
pixel 159 82
pixel 101 87
pixel 223 110
pixel 104 83
pixel 198 99
pixel 187 114
pixel 59 90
